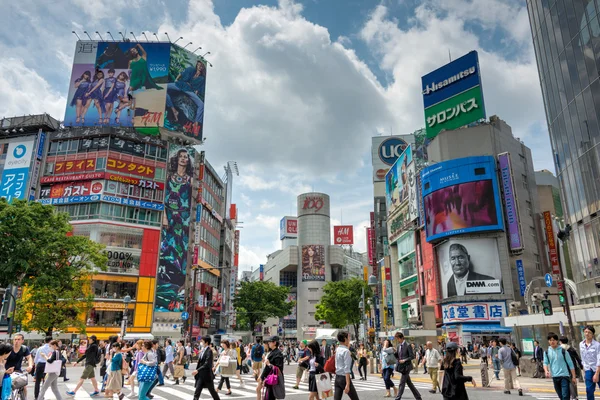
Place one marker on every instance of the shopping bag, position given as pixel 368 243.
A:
pixel 279 388
pixel 179 372
pixel 6 387
pixel 225 360
pixel 146 373
pixel 324 386
pixel 53 367
pixel 304 378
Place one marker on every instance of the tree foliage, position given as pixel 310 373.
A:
pixel 339 305
pixel 257 301
pixel 53 267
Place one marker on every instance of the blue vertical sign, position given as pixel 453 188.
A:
pixel 198 212
pixel 377 318
pixel 40 146
pixel 261 271
pixel 521 273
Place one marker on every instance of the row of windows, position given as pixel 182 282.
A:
pixel 208 256
pixel 85 145
pixel 288 278
pixel 129 190
pixel 210 199
pixel 215 186
pixel 210 239
pixel 211 221
pixel 113 212
pixel 208 278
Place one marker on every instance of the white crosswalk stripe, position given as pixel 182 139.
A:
pixel 186 390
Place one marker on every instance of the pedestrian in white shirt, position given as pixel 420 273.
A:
pixel 432 361
pixel 590 358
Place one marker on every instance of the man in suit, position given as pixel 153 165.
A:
pixel 325 349
pixel 538 356
pixel 204 371
pixel 462 271
pixel 405 355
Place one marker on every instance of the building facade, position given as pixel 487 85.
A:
pixel 565 37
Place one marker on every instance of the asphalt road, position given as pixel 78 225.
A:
pixel 372 389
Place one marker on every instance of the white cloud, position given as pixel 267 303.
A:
pixel 266 205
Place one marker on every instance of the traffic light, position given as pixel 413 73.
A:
pixel 561 297
pixel 547 307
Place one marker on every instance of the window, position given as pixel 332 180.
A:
pixel 532 231
pixel 528 207
pixel 159 174
pixel 114 290
pixel 100 163
pixel 525 185
pixel 109 318
pixel 48 168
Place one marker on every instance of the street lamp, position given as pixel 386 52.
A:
pixel 126 301
pixel 373 283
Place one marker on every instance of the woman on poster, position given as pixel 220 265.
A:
pixel 109 97
pixel 138 64
pixel 191 83
pixel 95 93
pixel 79 101
pixel 118 92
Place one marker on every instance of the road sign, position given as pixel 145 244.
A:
pixel 184 316
pixel 548 279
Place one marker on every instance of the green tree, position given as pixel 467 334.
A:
pixel 339 305
pixel 259 300
pixel 39 254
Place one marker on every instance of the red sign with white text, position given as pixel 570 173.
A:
pixel 130 167
pixel 370 251
pixel 343 234
pixel 236 249
pixel 84 188
pixel 292 225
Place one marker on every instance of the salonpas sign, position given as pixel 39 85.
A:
pixel 452 95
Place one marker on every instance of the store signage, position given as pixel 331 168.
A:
pixel 343 234
pixel 391 149
pixel 511 211
pixel 288 228
pixel 198 212
pixel 40 146
pixel 313 203
pixel 109 306
pixel 430 88
pixel 132 202
pixel 15 176
pixel 143 183
pixel 236 248
pixel 70 189
pixel 130 167
pixel 71 200
pixel 89 131
pixel 474 312
pixel 69 166
pixel 371 253
pixel 197 232
pixel 521 274
pixel 34 179
pixel 551 244
pixel 72 178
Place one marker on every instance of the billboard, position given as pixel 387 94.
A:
pixel 175 233
pixel 511 210
pixel 370 247
pixel 313 263
pixel 343 234
pixel 461 196
pixel 552 252
pixel 291 297
pixel 396 181
pixel 385 150
pixel 490 311
pixel 452 95
pixel 184 109
pixel 16 171
pixel 288 228
pixel 469 266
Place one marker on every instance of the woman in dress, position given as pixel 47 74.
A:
pixel 138 64
pixel 150 360
pixel 227 362
pixel 120 94
pixel 179 362
pixel 109 94
pixel 453 387
pixel 82 84
pixel 115 377
pixel 316 366
pixel 96 94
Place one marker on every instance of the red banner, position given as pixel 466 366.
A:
pixel 551 244
pixel 370 251
pixel 72 178
pixel 143 183
pixel 343 234
pixel 292 225
pixel 130 167
pixel 70 166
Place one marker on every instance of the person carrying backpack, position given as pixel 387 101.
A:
pixel 509 361
pixel 256 354
pixel 564 343
pixel 559 365
pixel 388 362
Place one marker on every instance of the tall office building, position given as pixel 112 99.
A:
pixel 566 37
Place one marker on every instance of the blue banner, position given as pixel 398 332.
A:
pixel 521 273
pixel 71 200
pixel 132 202
pixel 198 212
pixel 41 142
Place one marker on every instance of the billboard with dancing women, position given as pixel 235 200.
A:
pixel 175 236
pixel 313 263
pixel 184 109
pixel 118 84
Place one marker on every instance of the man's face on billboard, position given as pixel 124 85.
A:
pixel 460 262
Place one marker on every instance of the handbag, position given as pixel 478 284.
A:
pixel 225 360
pixel 53 367
pixel 145 372
pixel 6 387
pixel 273 377
pixel 324 386
pixel 178 372
pixel 304 378
pixel 279 388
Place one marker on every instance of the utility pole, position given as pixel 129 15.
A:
pixel 563 236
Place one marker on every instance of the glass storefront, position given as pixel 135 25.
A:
pixel 566 38
pixel 108 318
pixel 114 290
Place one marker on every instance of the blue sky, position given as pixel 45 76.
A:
pixel 298 88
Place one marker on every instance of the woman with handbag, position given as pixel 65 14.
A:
pixel 138 354
pixel 316 365
pixel 453 387
pixel 52 368
pixel 238 358
pixel 388 362
pixel 147 369
pixel 179 362
pixel 114 384
pixel 272 374
pixel 227 363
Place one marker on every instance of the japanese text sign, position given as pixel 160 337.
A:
pixel 551 243
pixel 71 166
pixel 130 167
pixel 16 171
pixel 474 312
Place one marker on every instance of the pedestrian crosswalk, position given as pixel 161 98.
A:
pixel 170 391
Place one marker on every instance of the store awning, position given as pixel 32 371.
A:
pixel 327 334
pixel 486 328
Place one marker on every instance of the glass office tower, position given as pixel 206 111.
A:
pixel 566 37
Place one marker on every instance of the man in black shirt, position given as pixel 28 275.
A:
pixel 92 357
pixel 14 362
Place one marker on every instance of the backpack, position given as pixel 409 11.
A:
pixel 514 358
pixel 390 358
pixel 564 356
pixel 242 353
pixel 330 365
pixel 162 356
pixel 257 351
pixel 576 359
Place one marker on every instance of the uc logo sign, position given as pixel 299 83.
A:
pixel 390 149
pixel 19 151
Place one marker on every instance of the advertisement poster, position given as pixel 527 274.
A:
pixel 16 171
pixel 184 109
pixel 118 84
pixel 461 196
pixel 313 263
pixel 175 234
pixel 469 266
pixel 396 181
pixel 343 234
pixel 291 297
pixel 511 211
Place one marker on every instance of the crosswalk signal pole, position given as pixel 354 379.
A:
pixel 563 236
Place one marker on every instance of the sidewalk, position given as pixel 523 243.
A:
pixel 528 384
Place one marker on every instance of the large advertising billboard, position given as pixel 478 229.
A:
pixel 175 235
pixel 16 171
pixel 343 234
pixel 313 263
pixel 461 196
pixel 385 150
pixel 396 181
pixel 511 209
pixel 452 95
pixel 139 84
pixel 469 266
pixel 288 228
